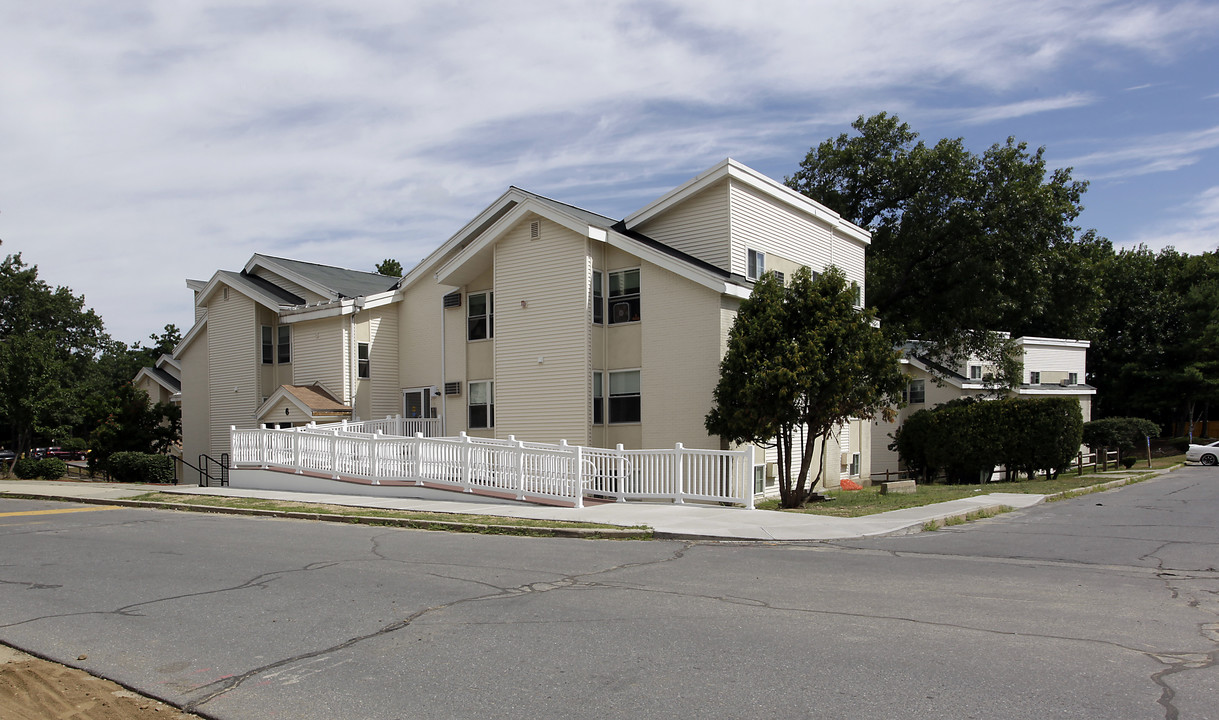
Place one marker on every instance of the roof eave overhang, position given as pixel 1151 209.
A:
pixel 262 261
pixel 730 168
pixel 677 266
pixel 470 261
pixel 155 378
pixel 427 266
pixel 191 334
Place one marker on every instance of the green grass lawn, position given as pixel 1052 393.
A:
pixel 868 501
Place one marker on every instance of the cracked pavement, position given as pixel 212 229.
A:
pixel 1104 606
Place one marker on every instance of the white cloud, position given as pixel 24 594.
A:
pixel 143 143
pixel 1194 230
pixel 1131 157
pixel 1023 108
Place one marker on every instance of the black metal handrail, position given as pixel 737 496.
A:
pixel 204 469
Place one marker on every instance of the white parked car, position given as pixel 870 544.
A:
pixel 1205 454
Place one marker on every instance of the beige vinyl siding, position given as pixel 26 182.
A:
pixel 385 391
pixel 760 223
pixel 292 287
pixel 196 403
pixel 232 357
pixel 681 328
pixel 319 354
pixel 698 226
pixel 1054 362
pixel 541 335
pixel 420 334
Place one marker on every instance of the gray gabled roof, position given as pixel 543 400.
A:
pixel 342 282
pixel 588 216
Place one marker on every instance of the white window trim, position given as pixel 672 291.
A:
pixel 755 264
pixel 598 301
pixel 610 300
pixel 363 364
pixel 609 396
pixel 489 405
pixel 280 333
pixel 490 315
pixel 598 384
pixel 266 345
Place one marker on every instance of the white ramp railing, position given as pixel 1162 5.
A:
pixel 527 471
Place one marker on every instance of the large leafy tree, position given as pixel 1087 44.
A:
pixel 962 244
pixel 48 343
pixel 801 361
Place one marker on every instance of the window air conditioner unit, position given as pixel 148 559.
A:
pixel 453 299
pixel 621 312
pixel 452 388
pixel 1063 382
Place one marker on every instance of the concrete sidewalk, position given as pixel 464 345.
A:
pixel 696 522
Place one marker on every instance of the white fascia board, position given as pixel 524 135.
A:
pixel 269 263
pixel 953 381
pixel 1053 342
pixel 170 360
pixel 435 258
pixel 155 378
pixel 196 285
pixel 280 393
pixel 191 334
pixel 317 311
pixel 493 233
pixel 730 168
pixel 1068 390
pixel 267 301
pixel 676 266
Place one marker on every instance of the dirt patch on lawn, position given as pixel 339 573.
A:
pixel 35 689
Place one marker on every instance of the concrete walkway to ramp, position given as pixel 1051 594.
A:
pixel 688 521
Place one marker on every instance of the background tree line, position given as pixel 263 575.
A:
pixel 64 381
pixel 964 245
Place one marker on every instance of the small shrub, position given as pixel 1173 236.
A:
pixel 26 469
pixel 51 468
pixel 138 467
pixel 1128 462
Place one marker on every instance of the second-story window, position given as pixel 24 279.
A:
pixel 480 312
pixel 268 346
pixel 757 265
pixel 284 346
pixel 598 297
pixel 624 296
pixel 363 370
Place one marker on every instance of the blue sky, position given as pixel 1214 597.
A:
pixel 143 143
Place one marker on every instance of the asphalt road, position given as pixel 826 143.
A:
pixel 1105 606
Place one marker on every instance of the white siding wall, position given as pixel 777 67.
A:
pixel 233 359
pixel 541 313
pixel 319 354
pixel 419 341
pixel 386 391
pixel 682 326
pixel 699 226
pixel 760 223
pixel 1054 359
pixel 196 398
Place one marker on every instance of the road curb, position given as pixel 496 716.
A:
pixel 407 523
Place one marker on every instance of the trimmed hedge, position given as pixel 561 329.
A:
pixel 46 468
pixel 967 438
pixel 139 467
pixel 1127 434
